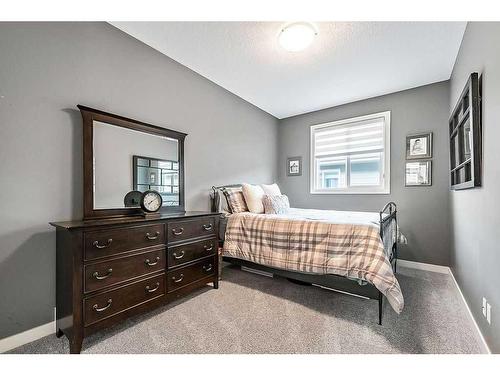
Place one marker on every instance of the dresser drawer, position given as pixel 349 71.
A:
pixel 107 304
pixel 182 254
pixel 186 275
pixel 103 274
pixel 114 241
pixel 187 229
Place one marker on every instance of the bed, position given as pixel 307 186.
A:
pixel 352 252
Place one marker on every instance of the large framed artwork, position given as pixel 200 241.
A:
pixel 466 137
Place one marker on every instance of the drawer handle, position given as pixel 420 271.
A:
pixel 148 262
pixel 209 248
pixel 181 255
pixel 152 237
pixel 100 309
pixel 96 244
pixel 179 279
pixel 97 277
pixel 177 233
pixel 207 227
pixel 152 290
pixel 207 268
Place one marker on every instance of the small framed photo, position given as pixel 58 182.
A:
pixel 418 173
pixel 419 146
pixel 294 166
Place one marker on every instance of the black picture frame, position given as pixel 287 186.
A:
pixel 294 166
pixel 411 173
pixel 419 146
pixel 466 139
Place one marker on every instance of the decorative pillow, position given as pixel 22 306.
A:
pixel 235 200
pixel 276 204
pixel 219 202
pixel 253 197
pixel 273 189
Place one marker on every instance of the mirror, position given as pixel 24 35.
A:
pixel 124 158
pixel 128 160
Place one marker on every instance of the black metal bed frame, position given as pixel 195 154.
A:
pixel 338 283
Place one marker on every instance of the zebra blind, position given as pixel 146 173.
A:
pixel 353 138
pixel 351 155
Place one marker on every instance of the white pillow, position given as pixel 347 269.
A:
pixel 273 189
pixel 253 197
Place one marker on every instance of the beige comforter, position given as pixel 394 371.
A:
pixel 346 244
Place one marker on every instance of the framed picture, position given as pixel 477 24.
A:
pixel 419 146
pixel 294 166
pixel 153 177
pixel 418 173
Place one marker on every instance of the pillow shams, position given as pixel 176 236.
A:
pixel 273 189
pixel 221 202
pixel 235 200
pixel 253 197
pixel 276 204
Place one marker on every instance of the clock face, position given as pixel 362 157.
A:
pixel 151 201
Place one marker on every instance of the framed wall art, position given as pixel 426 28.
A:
pixel 419 146
pixel 466 137
pixel 418 173
pixel 294 166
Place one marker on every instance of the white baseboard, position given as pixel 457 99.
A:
pixel 26 337
pixel 423 266
pixel 486 347
pixel 446 270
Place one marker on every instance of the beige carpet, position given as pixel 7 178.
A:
pixel 256 314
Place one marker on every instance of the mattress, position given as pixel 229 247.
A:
pixel 392 232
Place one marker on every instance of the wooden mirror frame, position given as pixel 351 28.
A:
pixel 90 115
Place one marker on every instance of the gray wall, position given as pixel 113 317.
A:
pixel 475 213
pixel 48 68
pixel 422 211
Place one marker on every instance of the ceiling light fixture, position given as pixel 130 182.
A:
pixel 297 36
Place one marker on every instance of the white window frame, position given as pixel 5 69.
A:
pixel 386 156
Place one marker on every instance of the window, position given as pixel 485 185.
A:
pixel 351 156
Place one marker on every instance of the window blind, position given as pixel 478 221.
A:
pixel 351 138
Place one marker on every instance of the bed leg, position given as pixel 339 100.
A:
pixel 380 306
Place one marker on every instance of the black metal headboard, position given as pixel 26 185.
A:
pixel 215 196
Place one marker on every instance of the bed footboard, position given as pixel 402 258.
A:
pixel 388 223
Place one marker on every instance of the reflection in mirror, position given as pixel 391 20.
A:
pixel 127 160
pixel 159 175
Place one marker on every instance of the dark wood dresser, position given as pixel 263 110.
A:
pixel 110 269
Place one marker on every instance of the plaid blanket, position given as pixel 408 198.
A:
pixel 353 250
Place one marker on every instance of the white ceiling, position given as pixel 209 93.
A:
pixel 346 62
